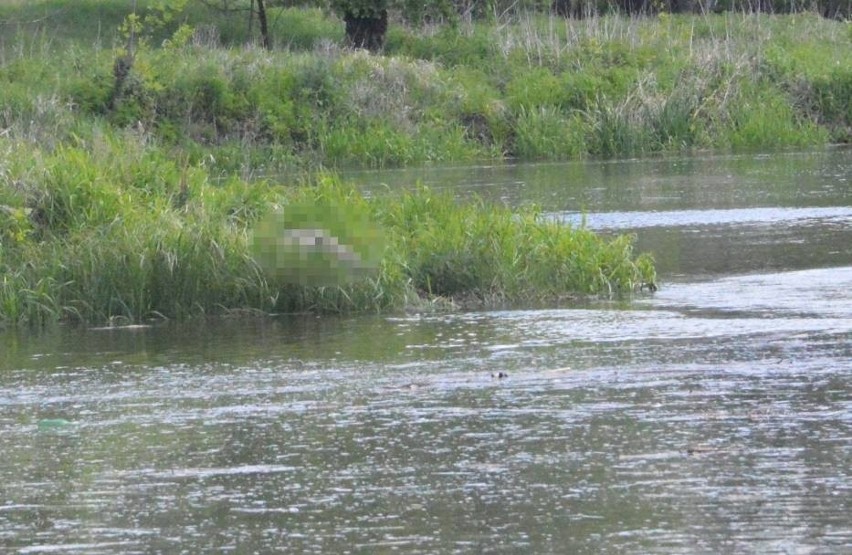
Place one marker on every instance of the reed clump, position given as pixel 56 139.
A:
pixel 495 254
pixel 97 237
pixel 104 235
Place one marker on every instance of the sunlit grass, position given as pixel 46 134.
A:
pixel 529 86
pixel 138 202
pixel 492 252
pixel 98 237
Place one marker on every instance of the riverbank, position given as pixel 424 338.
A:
pixel 531 87
pixel 133 190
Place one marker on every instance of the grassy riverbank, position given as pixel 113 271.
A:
pixel 125 236
pixel 532 87
pixel 136 197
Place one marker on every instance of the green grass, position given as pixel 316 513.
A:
pixel 126 234
pixel 113 234
pixel 527 87
pixel 137 201
pixel 493 252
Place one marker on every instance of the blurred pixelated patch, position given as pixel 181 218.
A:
pixel 318 242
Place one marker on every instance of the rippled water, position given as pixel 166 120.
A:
pixel 714 416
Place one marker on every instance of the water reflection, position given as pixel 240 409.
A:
pixel 783 179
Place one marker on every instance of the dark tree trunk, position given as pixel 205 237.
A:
pixel 634 7
pixel 122 66
pixel 120 71
pixel 569 8
pixel 264 27
pixel 837 9
pixel 685 6
pixel 365 31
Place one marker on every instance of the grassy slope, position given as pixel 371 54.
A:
pixel 536 87
pixel 139 204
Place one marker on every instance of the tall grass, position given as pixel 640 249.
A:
pixel 136 201
pixel 109 235
pixel 494 253
pixel 529 86
pixel 113 235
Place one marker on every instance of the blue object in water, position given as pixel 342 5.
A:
pixel 52 423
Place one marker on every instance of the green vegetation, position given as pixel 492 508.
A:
pixel 531 87
pixel 124 236
pixel 133 174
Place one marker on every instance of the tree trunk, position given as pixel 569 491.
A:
pixel 264 27
pixel 577 9
pixel 364 31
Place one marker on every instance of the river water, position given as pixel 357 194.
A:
pixel 713 416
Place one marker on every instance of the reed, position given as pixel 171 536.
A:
pixel 490 252
pixel 98 236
